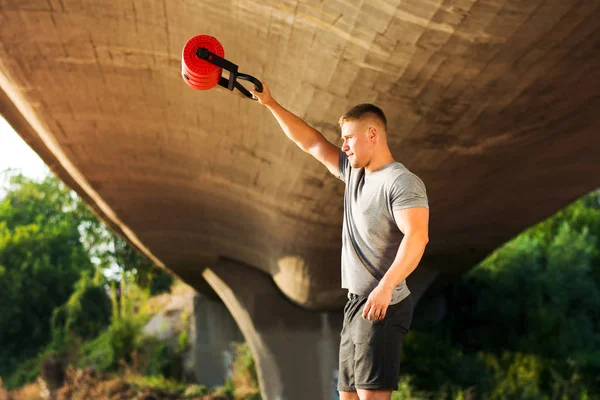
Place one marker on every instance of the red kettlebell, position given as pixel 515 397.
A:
pixel 202 64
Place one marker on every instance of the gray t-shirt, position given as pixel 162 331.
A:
pixel 370 235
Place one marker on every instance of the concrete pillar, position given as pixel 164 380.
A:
pixel 295 351
pixel 214 331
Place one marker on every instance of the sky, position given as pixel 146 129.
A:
pixel 16 154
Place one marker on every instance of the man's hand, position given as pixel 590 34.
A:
pixel 264 97
pixel 377 303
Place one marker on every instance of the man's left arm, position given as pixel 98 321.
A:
pixel 413 222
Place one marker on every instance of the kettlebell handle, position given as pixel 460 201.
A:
pixel 232 82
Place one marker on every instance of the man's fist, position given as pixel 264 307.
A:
pixel 264 97
pixel 377 304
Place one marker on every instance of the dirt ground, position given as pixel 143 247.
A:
pixel 84 384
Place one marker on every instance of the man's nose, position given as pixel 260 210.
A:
pixel 345 146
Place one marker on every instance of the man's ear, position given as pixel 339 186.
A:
pixel 372 132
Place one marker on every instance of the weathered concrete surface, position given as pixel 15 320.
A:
pixel 493 103
pixel 214 332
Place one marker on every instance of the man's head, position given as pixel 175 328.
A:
pixel 364 133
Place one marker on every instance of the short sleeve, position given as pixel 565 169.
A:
pixel 408 191
pixel 343 166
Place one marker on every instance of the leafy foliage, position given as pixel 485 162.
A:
pixel 50 246
pixel 123 335
pixel 525 323
pixel 86 313
pixel 41 258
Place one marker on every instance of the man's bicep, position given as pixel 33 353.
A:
pixel 414 220
pixel 327 154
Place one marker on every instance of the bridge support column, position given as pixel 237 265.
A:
pixel 295 351
pixel 214 330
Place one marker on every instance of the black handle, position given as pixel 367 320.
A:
pixel 257 85
pixel 232 82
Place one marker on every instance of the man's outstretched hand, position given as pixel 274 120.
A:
pixel 264 97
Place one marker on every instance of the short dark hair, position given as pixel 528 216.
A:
pixel 363 110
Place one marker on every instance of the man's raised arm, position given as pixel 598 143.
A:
pixel 306 137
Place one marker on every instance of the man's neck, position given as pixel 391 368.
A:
pixel 378 162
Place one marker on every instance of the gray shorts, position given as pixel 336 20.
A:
pixel 370 351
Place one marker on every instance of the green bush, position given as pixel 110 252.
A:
pixel 123 340
pixel 434 361
pixel 41 258
pixel 48 239
pixel 86 313
pixel 124 334
pixel 525 322
pixel 244 379
pixel 530 299
pixel 406 391
pixel 24 372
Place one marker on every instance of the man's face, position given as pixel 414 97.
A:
pixel 356 143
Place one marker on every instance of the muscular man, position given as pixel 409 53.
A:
pixel 385 231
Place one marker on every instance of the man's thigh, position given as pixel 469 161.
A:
pixel 364 394
pixel 377 349
pixel 370 351
pixel 349 396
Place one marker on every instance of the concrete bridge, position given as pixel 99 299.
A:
pixel 493 103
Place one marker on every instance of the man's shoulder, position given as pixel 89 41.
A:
pixel 399 174
pixel 396 171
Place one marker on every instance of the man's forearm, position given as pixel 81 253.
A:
pixel 294 127
pixel 408 257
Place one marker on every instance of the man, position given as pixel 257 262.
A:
pixel 385 231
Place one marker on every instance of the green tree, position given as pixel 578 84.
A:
pixel 537 293
pixel 50 245
pixel 525 322
pixel 113 254
pixel 144 272
pixel 87 312
pixel 41 258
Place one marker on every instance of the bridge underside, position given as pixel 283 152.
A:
pixel 493 103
